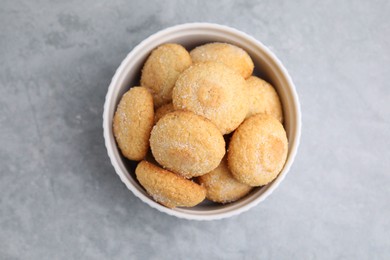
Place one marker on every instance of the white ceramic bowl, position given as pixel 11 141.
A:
pixel 190 35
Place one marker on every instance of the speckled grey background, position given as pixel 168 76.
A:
pixel 61 199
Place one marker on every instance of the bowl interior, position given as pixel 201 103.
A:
pixel 190 36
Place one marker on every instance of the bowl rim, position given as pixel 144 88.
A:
pixel 177 213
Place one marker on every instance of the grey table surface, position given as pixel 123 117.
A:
pixel 61 199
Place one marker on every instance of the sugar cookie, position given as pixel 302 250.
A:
pixel 214 91
pixel 263 98
pixel 228 54
pixel 221 186
pixel 258 150
pixel 161 70
pixel 133 121
pixel 162 111
pixel 187 144
pixel 168 188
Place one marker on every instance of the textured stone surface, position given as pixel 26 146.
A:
pixel 60 197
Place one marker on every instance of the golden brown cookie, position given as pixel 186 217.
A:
pixel 187 144
pixel 258 150
pixel 263 99
pixel 162 69
pixel 212 90
pixel 162 111
pixel 221 186
pixel 168 188
pixel 228 54
pixel 133 121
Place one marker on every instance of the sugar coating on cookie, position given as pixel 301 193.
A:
pixel 162 111
pixel 258 150
pixel 228 54
pixel 221 186
pixel 187 144
pixel 168 188
pixel 162 69
pixel 263 98
pixel 214 91
pixel 133 121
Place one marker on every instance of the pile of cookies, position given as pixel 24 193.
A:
pixel 214 130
